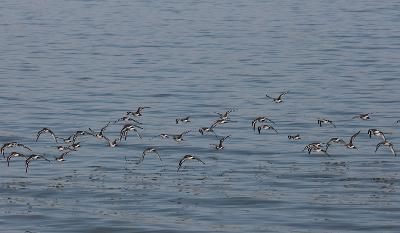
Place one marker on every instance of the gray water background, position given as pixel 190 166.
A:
pixel 70 65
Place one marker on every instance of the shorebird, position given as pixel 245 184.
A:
pixel 376 132
pixel 126 119
pixel 61 157
pixel 266 127
pixel 294 137
pixel 129 127
pixel 64 148
pixel 225 115
pixel 14 154
pixel 184 120
pixel 179 137
pixel 325 121
pixel 260 119
pixel 138 111
pixel 12 144
pixel 46 130
pixel 350 145
pixel 188 157
pixel 220 145
pixel 33 157
pixel 74 136
pixel 206 130
pixel 312 146
pixel 364 116
pixel 317 149
pixel 68 139
pixel 388 144
pixel 74 146
pixel 112 143
pixel 219 122
pixel 163 135
pixel 334 140
pixel 147 151
pixel 79 133
pixel 100 134
pixel 279 98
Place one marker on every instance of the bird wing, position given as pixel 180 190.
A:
pixel 354 136
pixel 378 145
pixel 282 94
pixel 273 129
pixel 39 133
pixel 392 149
pixel 180 163
pixel 198 159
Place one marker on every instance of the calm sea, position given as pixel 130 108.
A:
pixel 71 65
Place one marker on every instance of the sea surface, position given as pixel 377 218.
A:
pixel 78 64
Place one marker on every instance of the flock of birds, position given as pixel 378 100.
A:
pixel 131 124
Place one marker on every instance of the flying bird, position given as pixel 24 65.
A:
pixel 188 157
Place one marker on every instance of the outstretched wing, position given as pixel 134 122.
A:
pixel 198 159
pixel 354 136
pixel 392 149
pixel 39 133
pixel 282 94
pixel 378 145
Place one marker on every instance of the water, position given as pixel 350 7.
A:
pixel 70 65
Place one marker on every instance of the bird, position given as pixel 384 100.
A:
pixel 61 157
pixel 80 132
pixel 311 146
pixel 31 158
pixel 126 119
pixel 260 119
pixel 129 127
pixel 350 145
pixel 334 140
pixel 388 144
pixel 74 146
pixel 266 127
pixel 278 99
pixel 376 132
pixel 219 122
pixel 225 115
pixel 100 134
pixel 138 111
pixel 206 130
pixel 325 121
pixel 163 135
pixel 318 149
pixel 64 148
pixel 184 120
pixel 147 151
pixel 220 145
pixel 188 157
pixel 46 130
pixel 12 144
pixel 112 143
pixel 67 140
pixel 14 154
pixel 179 137
pixel 77 134
pixel 294 137
pixel 364 116
pixel 74 136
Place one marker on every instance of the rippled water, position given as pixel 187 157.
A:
pixel 71 65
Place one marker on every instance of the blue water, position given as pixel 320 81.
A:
pixel 71 65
